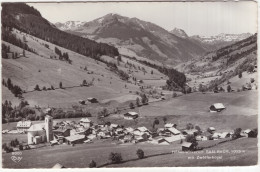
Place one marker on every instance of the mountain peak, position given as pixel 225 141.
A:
pixel 179 32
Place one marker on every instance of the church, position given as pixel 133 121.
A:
pixel 42 132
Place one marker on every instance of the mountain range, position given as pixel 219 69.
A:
pixel 99 29
pixel 141 38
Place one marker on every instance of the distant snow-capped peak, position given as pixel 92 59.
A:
pixel 69 25
pixel 222 37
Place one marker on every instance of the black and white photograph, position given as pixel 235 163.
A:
pixel 129 84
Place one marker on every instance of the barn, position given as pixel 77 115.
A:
pixel 217 107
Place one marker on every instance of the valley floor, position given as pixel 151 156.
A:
pixel 155 156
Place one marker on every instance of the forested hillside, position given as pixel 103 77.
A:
pixel 29 20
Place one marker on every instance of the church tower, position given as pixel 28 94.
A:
pixel 48 127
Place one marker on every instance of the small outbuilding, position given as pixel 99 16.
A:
pixel 131 115
pixel 92 100
pixel 187 146
pixel 217 107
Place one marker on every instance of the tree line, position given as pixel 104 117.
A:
pixel 15 89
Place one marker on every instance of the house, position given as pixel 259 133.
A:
pixel 83 131
pixel 207 134
pixel 216 136
pixel 170 125
pixel 119 131
pixel 47 110
pixel 247 133
pixel 211 130
pixel 224 135
pixel 74 139
pixel 173 131
pixel 160 141
pixel 130 115
pixel 140 131
pixel 114 126
pixel 23 126
pixel 201 138
pixel 85 122
pixel 216 107
pixel 62 131
pixel 128 138
pixel 187 146
pixel 174 138
pixel 92 100
pixel 128 130
pixel 190 132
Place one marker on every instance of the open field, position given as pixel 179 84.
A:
pixel 161 156
pixel 242 103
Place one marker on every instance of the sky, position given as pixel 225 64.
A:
pixel 195 18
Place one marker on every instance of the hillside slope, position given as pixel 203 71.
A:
pixel 43 70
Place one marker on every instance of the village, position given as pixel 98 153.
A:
pixel 68 132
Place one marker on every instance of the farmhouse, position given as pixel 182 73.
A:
pixel 130 115
pixel 85 122
pixel 41 132
pixel 23 126
pixel 74 139
pixel 217 107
